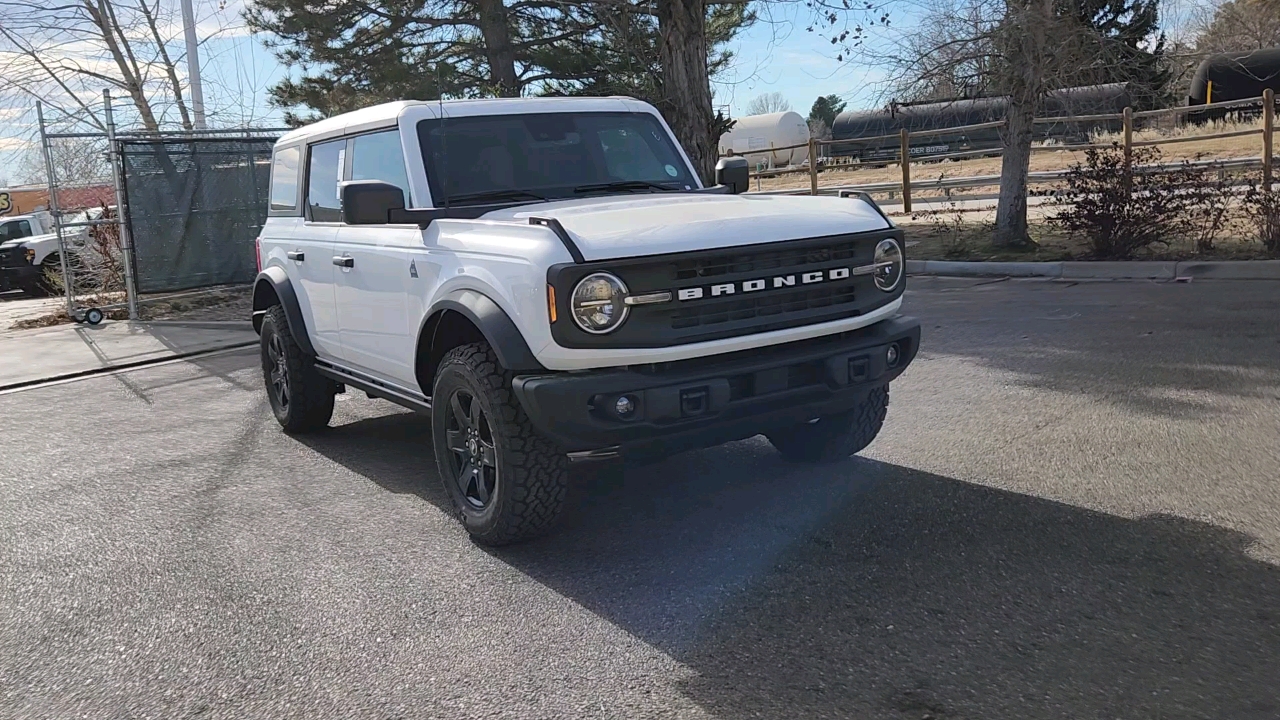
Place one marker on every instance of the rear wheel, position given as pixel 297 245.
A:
pixel 834 438
pixel 301 398
pixel 506 481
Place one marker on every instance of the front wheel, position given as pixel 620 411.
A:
pixel 834 438
pixel 507 482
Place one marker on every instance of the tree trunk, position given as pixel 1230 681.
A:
pixel 169 68
pixel 132 81
pixel 1011 213
pixel 497 40
pixel 686 87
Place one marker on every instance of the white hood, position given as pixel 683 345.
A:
pixel 621 226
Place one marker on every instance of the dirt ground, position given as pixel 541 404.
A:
pixel 217 304
pixel 966 235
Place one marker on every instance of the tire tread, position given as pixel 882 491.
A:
pixel 535 471
pixel 836 438
pixel 311 394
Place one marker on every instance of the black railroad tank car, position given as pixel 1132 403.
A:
pixel 915 117
pixel 1233 76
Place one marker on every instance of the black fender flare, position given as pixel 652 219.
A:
pixel 497 327
pixel 274 281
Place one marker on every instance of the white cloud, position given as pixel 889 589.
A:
pixel 11 144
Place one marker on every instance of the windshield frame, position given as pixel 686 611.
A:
pixel 686 180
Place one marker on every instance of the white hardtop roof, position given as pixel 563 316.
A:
pixel 389 114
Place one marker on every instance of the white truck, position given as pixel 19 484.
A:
pixel 29 254
pixel 551 282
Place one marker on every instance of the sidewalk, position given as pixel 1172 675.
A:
pixel 31 356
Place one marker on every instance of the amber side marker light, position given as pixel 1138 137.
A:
pixel 551 302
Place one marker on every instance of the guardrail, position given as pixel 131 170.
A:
pixel 1126 117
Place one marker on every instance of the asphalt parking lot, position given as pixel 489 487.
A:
pixel 1073 512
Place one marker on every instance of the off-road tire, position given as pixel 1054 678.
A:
pixel 532 474
pixel 308 405
pixel 834 438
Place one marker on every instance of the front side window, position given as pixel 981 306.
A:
pixel 483 159
pixel 284 179
pixel 324 172
pixel 379 156
pixel 14 230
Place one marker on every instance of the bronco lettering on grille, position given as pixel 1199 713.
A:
pixel 775 282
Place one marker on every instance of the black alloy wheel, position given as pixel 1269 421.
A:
pixel 278 373
pixel 472 455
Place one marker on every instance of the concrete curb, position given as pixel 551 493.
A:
pixel 1084 270
pixel 117 367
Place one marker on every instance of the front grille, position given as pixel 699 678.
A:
pixel 768 306
pixel 763 262
pixel 716 314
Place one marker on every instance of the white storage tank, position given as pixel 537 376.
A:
pixel 752 136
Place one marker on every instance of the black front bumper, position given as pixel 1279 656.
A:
pixel 24 277
pixel 16 271
pixel 708 401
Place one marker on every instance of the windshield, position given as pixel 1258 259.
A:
pixel 500 158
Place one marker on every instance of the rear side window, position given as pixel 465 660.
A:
pixel 284 179
pixel 379 156
pixel 324 172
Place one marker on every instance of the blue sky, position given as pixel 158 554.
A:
pixel 776 54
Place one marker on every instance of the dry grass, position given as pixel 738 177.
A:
pixel 966 235
pixel 923 172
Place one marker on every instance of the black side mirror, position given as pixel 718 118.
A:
pixel 370 202
pixel 734 173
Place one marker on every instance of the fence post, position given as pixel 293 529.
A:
pixel 1128 148
pixel 68 281
pixel 906 169
pixel 117 171
pixel 813 166
pixel 1268 127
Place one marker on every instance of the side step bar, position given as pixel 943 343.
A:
pixel 375 388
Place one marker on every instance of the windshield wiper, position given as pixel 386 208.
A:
pixel 496 196
pixel 624 185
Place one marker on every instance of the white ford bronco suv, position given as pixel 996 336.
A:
pixel 550 281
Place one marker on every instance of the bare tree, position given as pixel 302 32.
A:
pixel 1019 49
pixel 773 102
pixel 64 54
pixel 1236 26
pixel 76 161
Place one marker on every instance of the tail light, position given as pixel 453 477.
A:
pixel 257 252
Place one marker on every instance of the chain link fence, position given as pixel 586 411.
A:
pixel 193 208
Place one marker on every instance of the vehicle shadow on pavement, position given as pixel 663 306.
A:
pixel 870 590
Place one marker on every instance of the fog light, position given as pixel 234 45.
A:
pixel 892 355
pixel 624 406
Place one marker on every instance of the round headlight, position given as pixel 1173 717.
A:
pixel 889 264
pixel 598 303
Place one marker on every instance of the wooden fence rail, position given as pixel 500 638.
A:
pixel 1127 145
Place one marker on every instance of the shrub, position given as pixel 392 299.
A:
pixel 1263 210
pixel 952 230
pixel 1122 213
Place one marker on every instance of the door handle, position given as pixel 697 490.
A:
pixel 345 261
pixel 296 255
